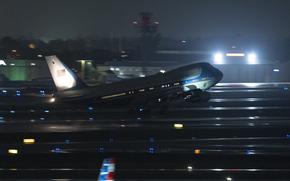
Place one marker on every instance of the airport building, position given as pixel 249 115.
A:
pixel 27 70
pixel 23 69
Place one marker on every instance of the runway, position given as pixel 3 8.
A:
pixel 243 131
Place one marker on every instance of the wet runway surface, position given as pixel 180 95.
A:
pixel 242 132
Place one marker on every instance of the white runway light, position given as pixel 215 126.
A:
pixel 218 58
pixel 252 58
pixel 235 54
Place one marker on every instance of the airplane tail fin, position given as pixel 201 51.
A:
pixel 63 77
pixel 107 172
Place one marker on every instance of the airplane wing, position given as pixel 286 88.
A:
pixel 107 172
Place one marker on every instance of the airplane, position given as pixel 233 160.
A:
pixel 107 170
pixel 188 82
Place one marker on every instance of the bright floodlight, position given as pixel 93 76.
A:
pixel 252 58
pixel 218 58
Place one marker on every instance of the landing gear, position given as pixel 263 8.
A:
pixel 197 96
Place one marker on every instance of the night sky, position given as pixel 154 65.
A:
pixel 49 19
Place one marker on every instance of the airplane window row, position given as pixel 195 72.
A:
pixel 141 90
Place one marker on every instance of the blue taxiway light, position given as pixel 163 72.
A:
pixel 151 150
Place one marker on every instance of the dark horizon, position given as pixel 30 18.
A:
pixel 178 19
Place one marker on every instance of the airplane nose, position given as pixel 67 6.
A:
pixel 218 75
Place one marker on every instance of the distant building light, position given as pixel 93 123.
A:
pixel 156 22
pixel 32 64
pixel 2 62
pixel 276 70
pixel 117 69
pixel 39 55
pixel 141 75
pixel 112 68
pixel 14 51
pixel 135 22
pixel 183 41
pixel 13 151
pixel 12 64
pixel 178 126
pixel 162 71
pixel 32 45
pixel 235 54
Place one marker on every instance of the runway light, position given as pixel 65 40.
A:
pixel 197 151
pixel 229 179
pixel 218 58
pixel 189 168
pixel 56 150
pixel 178 126
pixel 151 150
pixel 235 54
pixel 13 151
pixel 250 152
pixel 252 58
pixel 52 100
pixel 28 141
